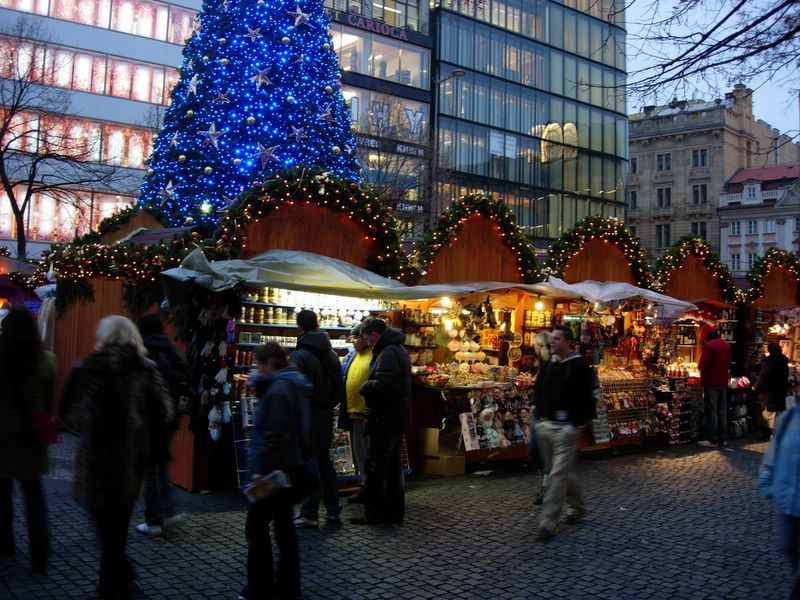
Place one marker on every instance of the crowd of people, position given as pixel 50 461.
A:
pixel 122 403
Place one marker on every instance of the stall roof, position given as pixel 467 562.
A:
pixel 305 271
pixel 606 291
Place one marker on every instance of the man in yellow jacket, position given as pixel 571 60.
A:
pixel 355 369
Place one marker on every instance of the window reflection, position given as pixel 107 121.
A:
pixel 384 115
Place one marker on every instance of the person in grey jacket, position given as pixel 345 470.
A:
pixel 280 440
pixel 387 417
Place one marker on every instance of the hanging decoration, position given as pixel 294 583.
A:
pixel 775 257
pixel 313 186
pixel 693 245
pixel 451 223
pixel 603 228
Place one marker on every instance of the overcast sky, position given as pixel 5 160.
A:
pixel 775 103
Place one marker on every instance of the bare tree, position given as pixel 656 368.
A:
pixel 41 151
pixel 713 44
pixel 397 169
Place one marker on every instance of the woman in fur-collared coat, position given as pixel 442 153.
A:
pixel 117 404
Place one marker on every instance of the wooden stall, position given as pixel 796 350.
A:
pixel 599 260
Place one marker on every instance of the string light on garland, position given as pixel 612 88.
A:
pixel 451 223
pixel 774 257
pixel 241 90
pixel 608 229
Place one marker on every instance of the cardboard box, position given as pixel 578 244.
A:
pixel 444 465
pixel 428 441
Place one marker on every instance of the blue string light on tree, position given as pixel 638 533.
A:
pixel 259 91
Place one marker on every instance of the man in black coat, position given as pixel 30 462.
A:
pixel 316 359
pixel 160 508
pixel 564 402
pixel 772 386
pixel 387 394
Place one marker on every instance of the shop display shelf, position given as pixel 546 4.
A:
pixel 294 306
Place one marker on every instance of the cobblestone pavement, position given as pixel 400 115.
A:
pixel 682 523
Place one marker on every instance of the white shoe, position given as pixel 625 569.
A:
pixel 154 530
pixel 174 519
pixel 706 444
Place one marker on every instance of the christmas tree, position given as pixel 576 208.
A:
pixel 259 91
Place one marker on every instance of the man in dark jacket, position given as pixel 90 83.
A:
pixel 316 359
pixel 159 508
pixel 772 385
pixel 564 403
pixel 387 416
pixel 714 364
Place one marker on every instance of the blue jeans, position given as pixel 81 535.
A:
pixel 158 503
pixel 322 428
pixel 715 419
pixel 789 540
pixel 384 484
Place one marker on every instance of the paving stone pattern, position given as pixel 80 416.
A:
pixel 677 523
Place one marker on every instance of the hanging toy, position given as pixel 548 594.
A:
pixel 226 412
pixel 214 423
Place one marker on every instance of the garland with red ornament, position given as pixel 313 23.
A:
pixel 313 186
pixel 451 223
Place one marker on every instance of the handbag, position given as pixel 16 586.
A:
pixel 43 427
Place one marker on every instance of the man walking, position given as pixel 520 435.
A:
pixel 772 385
pixel 316 359
pixel 564 400
pixel 715 361
pixel 387 395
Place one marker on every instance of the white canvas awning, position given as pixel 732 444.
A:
pixel 305 271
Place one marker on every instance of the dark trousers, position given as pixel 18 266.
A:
pixel 35 518
pixel 158 503
pixel 264 581
pixel 322 429
pixel 116 573
pixel 384 486
pixel 789 538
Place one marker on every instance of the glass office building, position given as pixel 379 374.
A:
pixel 538 115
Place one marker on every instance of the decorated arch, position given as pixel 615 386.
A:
pixel 476 239
pixel 774 281
pixel 599 248
pixel 313 211
pixel 691 270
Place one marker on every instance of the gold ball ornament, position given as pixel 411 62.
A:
pixel 189 220
pixel 182 158
pixel 190 113
pixel 328 89
pixel 251 120
pixel 261 2
pixel 290 99
pixel 237 161
pixel 223 61
pixel 326 46
pixel 222 41
pixel 285 39
pixel 150 171
pixel 336 150
pixel 208 170
pixel 206 59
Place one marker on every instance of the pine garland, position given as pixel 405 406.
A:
pixel 117 220
pixel 451 223
pixel 312 186
pixel 693 245
pixel 603 228
pixel 775 257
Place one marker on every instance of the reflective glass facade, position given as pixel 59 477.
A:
pixel 539 114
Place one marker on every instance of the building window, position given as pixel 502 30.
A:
pixel 751 193
pixel 736 228
pixel 662 237
pixel 663 197
pixel 797 224
pixel 700 194
pixel 700 157
pixel 632 229
pixel 769 226
pixel 751 261
pixel 634 164
pixel 699 228
pixel 735 262
pixel 633 199
pixel 752 227
pixel 664 161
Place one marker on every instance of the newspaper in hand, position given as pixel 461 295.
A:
pixel 266 486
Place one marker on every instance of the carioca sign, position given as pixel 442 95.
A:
pixel 368 24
